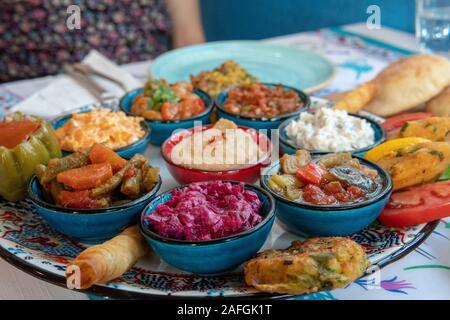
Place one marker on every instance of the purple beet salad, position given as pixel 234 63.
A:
pixel 206 211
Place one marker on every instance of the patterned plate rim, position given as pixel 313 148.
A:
pixel 114 293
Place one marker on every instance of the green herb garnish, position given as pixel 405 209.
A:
pixel 446 175
pixel 404 127
pixel 159 92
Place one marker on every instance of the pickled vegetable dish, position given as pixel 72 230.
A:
pixel 260 101
pixel 96 179
pixel 205 211
pixel 335 179
pixel 164 102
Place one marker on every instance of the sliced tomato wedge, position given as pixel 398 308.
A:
pixel 417 205
pixel 396 122
pixel 315 195
pixel 311 173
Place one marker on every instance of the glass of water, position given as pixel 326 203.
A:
pixel 433 26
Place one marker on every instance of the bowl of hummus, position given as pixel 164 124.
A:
pixel 217 152
pixel 327 131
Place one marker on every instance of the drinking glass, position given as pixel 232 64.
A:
pixel 433 26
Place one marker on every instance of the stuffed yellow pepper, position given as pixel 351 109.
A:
pixel 25 141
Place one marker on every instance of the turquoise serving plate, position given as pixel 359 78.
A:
pixel 300 69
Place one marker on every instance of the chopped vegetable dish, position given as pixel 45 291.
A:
pixel 96 179
pixel 261 101
pixel 334 179
pixel 162 101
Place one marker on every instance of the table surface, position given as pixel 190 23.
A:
pixel 424 274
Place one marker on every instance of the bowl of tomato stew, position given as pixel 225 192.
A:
pixel 333 195
pixel 93 197
pixel 261 106
pixel 168 107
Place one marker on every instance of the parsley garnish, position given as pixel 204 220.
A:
pixel 159 92
pixel 404 127
pixel 446 175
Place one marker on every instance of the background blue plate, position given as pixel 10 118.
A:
pixel 300 69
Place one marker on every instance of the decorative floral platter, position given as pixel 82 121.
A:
pixel 28 243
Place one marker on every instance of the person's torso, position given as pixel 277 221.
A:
pixel 38 36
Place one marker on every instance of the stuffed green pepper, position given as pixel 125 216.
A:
pixel 25 142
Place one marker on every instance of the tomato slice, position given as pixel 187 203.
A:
pixel 417 205
pixel 13 133
pixel 311 173
pixel 315 195
pixel 396 122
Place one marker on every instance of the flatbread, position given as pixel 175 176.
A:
pixel 409 82
pixel 440 105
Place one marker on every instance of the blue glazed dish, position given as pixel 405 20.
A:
pixel 212 256
pixel 126 152
pixel 162 130
pixel 308 219
pixel 260 123
pixel 88 225
pixel 288 147
pixel 273 63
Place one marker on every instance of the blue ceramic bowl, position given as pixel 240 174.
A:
pixel 162 130
pixel 287 146
pixel 126 152
pixel 88 225
pixel 212 256
pixel 307 219
pixel 259 123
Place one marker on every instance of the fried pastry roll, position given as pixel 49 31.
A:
pixel 353 101
pixel 104 262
